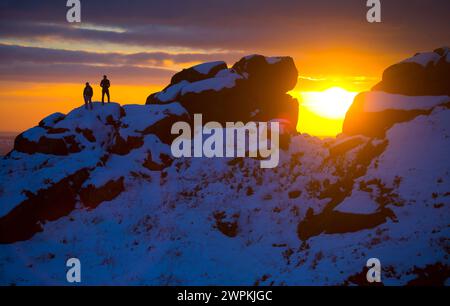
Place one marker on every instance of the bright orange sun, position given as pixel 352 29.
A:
pixel 332 103
pixel 322 113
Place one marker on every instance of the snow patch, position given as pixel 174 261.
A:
pixel 223 79
pixel 273 60
pixel 170 94
pixel 424 59
pixel 205 68
pixel 378 101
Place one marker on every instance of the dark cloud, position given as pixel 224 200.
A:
pixel 80 73
pixel 224 24
pixel 271 27
pixel 218 13
pixel 28 63
pixel 20 54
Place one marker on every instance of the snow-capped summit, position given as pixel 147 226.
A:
pixel 101 185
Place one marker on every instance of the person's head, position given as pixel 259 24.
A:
pixel 104 76
pixel 87 83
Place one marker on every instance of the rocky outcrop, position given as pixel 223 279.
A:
pixel 335 222
pixel 253 89
pixel 92 196
pixel 373 113
pixel 47 145
pixel 87 140
pixel 413 87
pixel 328 205
pixel 48 204
pixel 145 129
pixel 425 74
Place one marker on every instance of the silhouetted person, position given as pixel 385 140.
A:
pixel 88 92
pixel 104 84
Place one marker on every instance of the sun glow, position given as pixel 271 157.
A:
pixel 332 103
pixel 321 113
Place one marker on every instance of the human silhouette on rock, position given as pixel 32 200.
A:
pixel 105 84
pixel 88 92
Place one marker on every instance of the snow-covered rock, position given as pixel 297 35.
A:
pixel 134 214
pixel 413 87
pixel 424 74
pixel 254 88
pixel 373 113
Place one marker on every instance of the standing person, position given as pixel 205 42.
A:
pixel 88 92
pixel 104 84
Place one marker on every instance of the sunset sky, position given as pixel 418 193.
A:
pixel 45 61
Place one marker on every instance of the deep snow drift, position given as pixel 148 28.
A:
pixel 102 186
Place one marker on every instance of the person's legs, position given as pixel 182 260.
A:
pixel 90 103
pixel 86 99
pixel 103 96
pixel 107 94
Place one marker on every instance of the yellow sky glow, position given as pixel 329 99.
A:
pixel 322 113
pixel 23 105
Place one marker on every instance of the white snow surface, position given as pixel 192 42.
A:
pixel 223 79
pixel 424 59
pixel 163 230
pixel 172 92
pixel 50 120
pixel 273 60
pixel 378 101
pixel 205 68
pixel 139 117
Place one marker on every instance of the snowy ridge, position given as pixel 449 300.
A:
pixel 102 186
pixel 381 101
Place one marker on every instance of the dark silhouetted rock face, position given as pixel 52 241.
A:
pixel 425 74
pixel 254 89
pixel 359 120
pixel 408 89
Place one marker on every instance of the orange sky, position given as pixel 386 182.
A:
pixel 44 60
pixel 24 103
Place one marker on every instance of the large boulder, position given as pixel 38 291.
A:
pixel 373 113
pixel 38 140
pixel 47 204
pixel 254 89
pixel 277 74
pixel 117 130
pixel 76 157
pixel 413 87
pixel 424 74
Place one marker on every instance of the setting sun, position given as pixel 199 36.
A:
pixel 322 112
pixel 332 103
